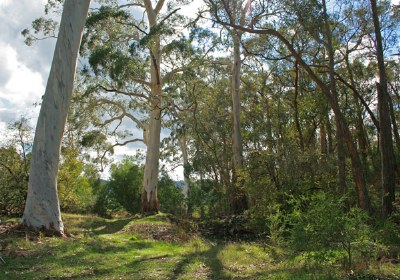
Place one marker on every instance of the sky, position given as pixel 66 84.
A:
pixel 23 70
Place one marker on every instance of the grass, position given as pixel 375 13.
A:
pixel 149 248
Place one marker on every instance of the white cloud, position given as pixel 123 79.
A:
pixel 24 69
pixel 20 86
pixel 5 3
pixel 122 151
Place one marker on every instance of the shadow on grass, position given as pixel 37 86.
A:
pixel 110 227
pixel 209 257
pixel 94 224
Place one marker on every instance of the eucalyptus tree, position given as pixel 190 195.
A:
pixel 236 11
pixel 388 168
pixel 200 124
pixel 211 131
pixel 185 89
pixel 42 206
pixel 131 60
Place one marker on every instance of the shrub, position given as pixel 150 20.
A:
pixel 13 182
pixel 123 191
pixel 170 196
pixel 320 228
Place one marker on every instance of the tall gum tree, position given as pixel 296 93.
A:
pixel 341 152
pixel 236 11
pixel 132 58
pixel 42 207
pixel 149 193
pixel 238 200
pixel 385 133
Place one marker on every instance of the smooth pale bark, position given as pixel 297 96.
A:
pixel 151 169
pixel 237 197
pixel 235 94
pixel 149 193
pixel 42 207
pixel 186 172
pixel 388 169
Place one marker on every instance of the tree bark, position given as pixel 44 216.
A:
pixel 42 207
pixel 295 106
pixel 235 92
pixel 388 170
pixel 361 134
pixel 395 127
pixel 238 199
pixel 341 152
pixel 151 169
pixel 186 166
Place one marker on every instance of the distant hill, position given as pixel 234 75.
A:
pixel 179 184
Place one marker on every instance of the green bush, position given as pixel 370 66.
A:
pixel 75 187
pixel 106 202
pixel 13 182
pixel 320 229
pixel 205 200
pixel 123 191
pixel 170 196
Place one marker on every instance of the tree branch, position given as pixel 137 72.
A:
pixel 122 92
pixel 159 6
pixel 124 113
pixel 355 91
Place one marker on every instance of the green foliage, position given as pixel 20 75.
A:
pixel 320 228
pixel 14 167
pixel 268 187
pixel 204 200
pixel 105 13
pixel 106 203
pixel 170 196
pixel 13 182
pixel 126 184
pixel 276 224
pixel 75 187
pixel 388 231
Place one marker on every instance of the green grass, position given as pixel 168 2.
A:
pixel 148 248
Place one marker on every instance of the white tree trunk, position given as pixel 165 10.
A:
pixel 237 197
pixel 235 89
pixel 42 207
pixel 186 173
pixel 149 193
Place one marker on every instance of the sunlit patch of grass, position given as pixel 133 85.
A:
pixel 5 220
pixel 197 269
pixel 244 259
